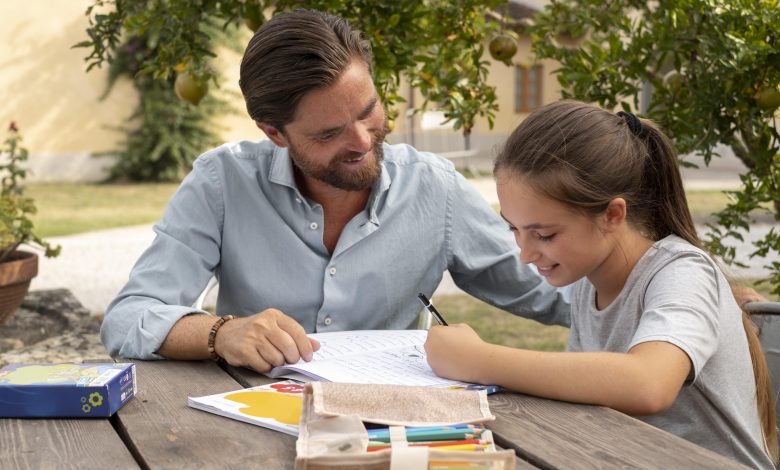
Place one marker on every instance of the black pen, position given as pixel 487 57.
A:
pixel 431 309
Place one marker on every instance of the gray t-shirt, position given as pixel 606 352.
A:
pixel 677 294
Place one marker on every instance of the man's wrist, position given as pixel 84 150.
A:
pixel 213 337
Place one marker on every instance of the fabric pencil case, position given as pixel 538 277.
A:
pixel 333 434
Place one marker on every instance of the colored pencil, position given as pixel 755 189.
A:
pixel 427 428
pixel 441 435
pixel 435 430
pixel 460 447
pixel 445 465
pixel 379 445
pixel 465 447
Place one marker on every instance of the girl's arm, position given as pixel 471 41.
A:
pixel 644 381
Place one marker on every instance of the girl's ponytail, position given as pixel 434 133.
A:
pixel 664 184
pixel 764 396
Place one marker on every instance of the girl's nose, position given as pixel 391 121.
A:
pixel 527 253
pixel 528 256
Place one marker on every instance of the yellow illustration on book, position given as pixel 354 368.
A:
pixel 281 407
pixel 45 373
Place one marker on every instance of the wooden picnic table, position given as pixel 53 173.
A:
pixel 156 429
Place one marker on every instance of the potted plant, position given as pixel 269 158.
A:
pixel 17 267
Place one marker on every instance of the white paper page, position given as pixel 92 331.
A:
pixel 401 366
pixel 342 343
pixel 371 356
pixel 297 376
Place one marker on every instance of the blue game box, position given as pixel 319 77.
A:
pixel 67 390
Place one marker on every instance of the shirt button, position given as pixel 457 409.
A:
pixel 297 199
pixel 313 225
pixel 327 321
pixel 332 271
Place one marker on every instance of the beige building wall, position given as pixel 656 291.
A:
pixel 484 141
pixel 236 126
pixel 45 89
pixel 503 78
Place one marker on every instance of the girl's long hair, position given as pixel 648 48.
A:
pixel 584 157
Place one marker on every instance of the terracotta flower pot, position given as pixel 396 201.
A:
pixel 15 276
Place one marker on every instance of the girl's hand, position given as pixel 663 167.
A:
pixel 455 352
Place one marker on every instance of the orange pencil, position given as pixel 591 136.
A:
pixel 379 446
pixel 465 447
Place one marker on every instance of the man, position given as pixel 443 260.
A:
pixel 323 227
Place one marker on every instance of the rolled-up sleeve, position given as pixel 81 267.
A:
pixel 172 272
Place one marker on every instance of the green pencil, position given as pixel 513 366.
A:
pixel 440 435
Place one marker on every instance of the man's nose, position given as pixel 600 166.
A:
pixel 361 138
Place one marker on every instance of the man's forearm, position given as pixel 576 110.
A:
pixel 188 339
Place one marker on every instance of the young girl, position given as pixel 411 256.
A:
pixel 596 199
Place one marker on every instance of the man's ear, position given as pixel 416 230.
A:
pixel 615 214
pixel 276 136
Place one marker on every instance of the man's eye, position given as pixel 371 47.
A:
pixel 545 238
pixel 511 228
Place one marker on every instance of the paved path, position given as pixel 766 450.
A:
pixel 95 265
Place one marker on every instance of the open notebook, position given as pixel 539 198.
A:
pixel 370 357
pixel 395 357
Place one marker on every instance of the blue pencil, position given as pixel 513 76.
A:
pixel 381 431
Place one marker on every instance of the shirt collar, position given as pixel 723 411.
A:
pixel 282 168
pixel 282 173
pixel 379 188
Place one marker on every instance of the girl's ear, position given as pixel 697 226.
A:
pixel 615 214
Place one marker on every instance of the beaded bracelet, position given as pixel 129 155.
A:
pixel 213 336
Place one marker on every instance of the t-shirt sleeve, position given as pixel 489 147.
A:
pixel 681 307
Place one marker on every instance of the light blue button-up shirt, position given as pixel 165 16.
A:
pixel 240 216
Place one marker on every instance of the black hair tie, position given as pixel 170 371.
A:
pixel 634 124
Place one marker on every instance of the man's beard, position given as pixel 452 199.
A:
pixel 333 174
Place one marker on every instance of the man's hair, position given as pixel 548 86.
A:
pixel 292 54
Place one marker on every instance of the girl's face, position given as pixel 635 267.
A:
pixel 563 244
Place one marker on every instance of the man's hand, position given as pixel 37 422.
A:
pixel 263 341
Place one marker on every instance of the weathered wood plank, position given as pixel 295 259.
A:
pixel 61 443
pixel 521 464
pixel 248 377
pixel 166 433
pixel 552 434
